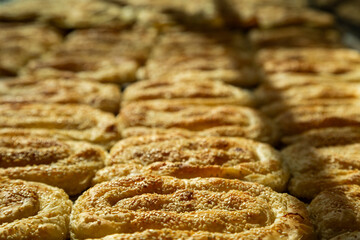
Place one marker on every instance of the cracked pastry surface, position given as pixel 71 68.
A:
pixel 20 43
pixel 144 206
pixel 222 120
pixel 32 210
pixel 69 165
pixel 28 90
pixel 309 60
pixel 71 121
pixel 187 91
pixel 295 37
pixel 326 159
pixel 181 157
pixel 336 212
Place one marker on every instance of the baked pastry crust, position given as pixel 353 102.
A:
pixel 28 90
pixel 19 43
pixel 69 165
pixel 32 210
pixel 211 207
pixel 201 56
pixel 309 60
pixel 323 160
pixel 304 118
pixel 336 212
pixel 295 37
pixel 71 121
pixel 223 120
pixel 275 13
pixel 181 157
pixel 339 91
pixel 188 91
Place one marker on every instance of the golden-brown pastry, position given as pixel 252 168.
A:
pixel 222 120
pixel 274 13
pixel 113 69
pixel 309 60
pixel 278 107
pixel 188 91
pixel 304 118
pixel 71 121
pixel 202 208
pixel 69 165
pixel 287 80
pixel 348 11
pixel 20 43
pixel 295 37
pixel 339 91
pixel 30 210
pixel 181 157
pixel 28 90
pixel 336 213
pixel 328 159
pixel 201 56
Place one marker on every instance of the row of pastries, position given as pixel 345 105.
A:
pixel 163 131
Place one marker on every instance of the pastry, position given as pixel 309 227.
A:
pixel 71 121
pixel 148 207
pixel 32 210
pixel 309 60
pixel 287 80
pixel 348 11
pixel 336 213
pixel 69 165
pixel 274 13
pixel 114 69
pixel 28 90
pixel 19 43
pixel 339 91
pixel 223 120
pixel 187 91
pixel 328 159
pixel 295 37
pixel 304 118
pixel 182 55
pixel 182 157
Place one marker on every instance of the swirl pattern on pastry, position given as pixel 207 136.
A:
pixel 329 159
pixel 79 122
pixel 230 209
pixel 222 120
pixel 28 90
pixel 304 118
pixel 68 165
pixel 21 43
pixel 31 210
pixel 336 213
pixel 201 92
pixel 309 60
pixel 232 158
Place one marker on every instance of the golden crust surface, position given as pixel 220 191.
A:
pixel 69 165
pixel 295 37
pixel 323 160
pixel 188 91
pixel 181 157
pixel 230 209
pixel 20 43
pixel 30 210
pixel 28 90
pixel 309 60
pixel 336 212
pixel 202 56
pixel 304 118
pixel 71 121
pixel 223 120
